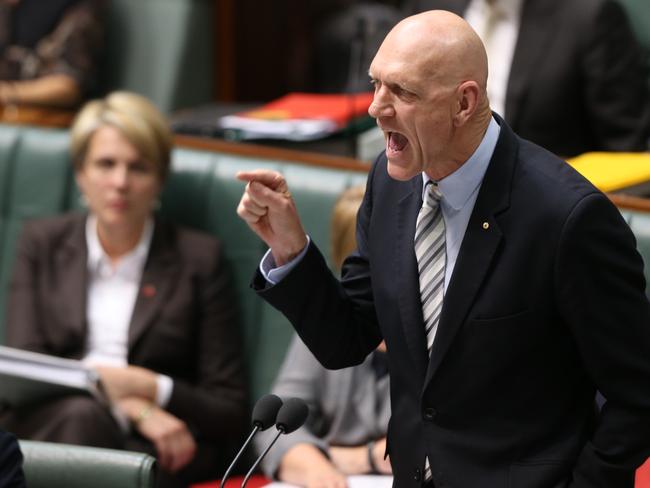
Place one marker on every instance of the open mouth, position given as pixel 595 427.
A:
pixel 396 142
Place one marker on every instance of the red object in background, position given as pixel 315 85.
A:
pixel 256 481
pixel 339 108
pixel 642 480
pixel 643 476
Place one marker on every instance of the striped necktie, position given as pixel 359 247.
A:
pixel 431 256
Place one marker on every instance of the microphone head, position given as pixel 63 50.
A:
pixel 292 415
pixel 265 411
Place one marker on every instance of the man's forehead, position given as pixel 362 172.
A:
pixel 395 67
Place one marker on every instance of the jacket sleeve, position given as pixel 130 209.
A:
pixel 24 315
pixel 601 298
pixel 335 319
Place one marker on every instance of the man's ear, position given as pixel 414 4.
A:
pixel 467 96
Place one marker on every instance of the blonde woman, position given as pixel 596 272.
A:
pixel 148 304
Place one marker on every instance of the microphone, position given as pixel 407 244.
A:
pixel 291 415
pixel 265 412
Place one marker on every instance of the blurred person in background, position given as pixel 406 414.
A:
pixel 148 304
pixel 568 75
pixel 49 51
pixel 345 433
pixel 11 462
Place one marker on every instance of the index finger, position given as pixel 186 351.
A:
pixel 271 179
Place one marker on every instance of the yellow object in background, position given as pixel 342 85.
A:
pixel 613 171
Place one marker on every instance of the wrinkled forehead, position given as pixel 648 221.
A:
pixel 410 59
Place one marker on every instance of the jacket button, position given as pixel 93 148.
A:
pixel 430 414
pixel 417 475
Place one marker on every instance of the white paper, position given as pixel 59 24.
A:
pixel 362 481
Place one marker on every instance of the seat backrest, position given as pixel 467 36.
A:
pixel 162 49
pixel 639 222
pixel 50 465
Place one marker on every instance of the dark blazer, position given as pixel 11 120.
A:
pixel 184 323
pixel 11 462
pixel 546 303
pixel 578 79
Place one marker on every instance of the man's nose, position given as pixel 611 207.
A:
pixel 380 106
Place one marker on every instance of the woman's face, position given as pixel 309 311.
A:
pixel 120 186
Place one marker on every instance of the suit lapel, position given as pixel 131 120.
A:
pixel 535 32
pixel 410 305
pixel 158 277
pixel 479 247
pixel 71 260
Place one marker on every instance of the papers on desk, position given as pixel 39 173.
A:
pixel 365 481
pixel 28 377
pixel 298 116
pixel 609 171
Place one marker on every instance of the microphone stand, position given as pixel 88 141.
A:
pixel 259 459
pixel 256 429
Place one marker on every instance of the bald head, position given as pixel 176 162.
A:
pixel 430 77
pixel 440 44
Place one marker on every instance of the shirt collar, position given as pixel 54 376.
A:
pixel 457 187
pixel 130 265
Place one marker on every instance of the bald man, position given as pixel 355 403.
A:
pixel 506 298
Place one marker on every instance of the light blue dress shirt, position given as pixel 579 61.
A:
pixel 459 191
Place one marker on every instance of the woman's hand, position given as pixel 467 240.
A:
pixel 128 381
pixel 175 446
pixel 382 463
pixel 306 465
pixel 354 460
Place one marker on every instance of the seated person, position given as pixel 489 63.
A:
pixel 568 75
pixel 49 50
pixel 11 462
pixel 345 433
pixel 147 303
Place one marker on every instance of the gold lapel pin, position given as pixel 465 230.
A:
pixel 486 225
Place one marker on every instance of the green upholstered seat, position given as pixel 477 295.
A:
pixel 640 224
pixel 163 49
pixel 49 465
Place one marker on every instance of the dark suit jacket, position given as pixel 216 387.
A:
pixel 11 462
pixel 578 80
pixel 186 330
pixel 546 303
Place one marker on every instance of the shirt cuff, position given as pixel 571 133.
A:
pixel 274 274
pixel 164 387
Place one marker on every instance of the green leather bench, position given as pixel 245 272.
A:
pixel 202 192
pixel 48 465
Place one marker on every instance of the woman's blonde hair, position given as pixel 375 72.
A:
pixel 344 223
pixel 135 117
